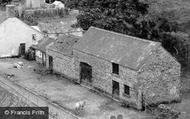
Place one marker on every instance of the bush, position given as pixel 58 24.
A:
pixel 162 113
pixel 30 55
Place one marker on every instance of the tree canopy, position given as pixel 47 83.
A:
pixel 4 1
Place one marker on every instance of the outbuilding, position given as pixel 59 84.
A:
pixel 60 57
pixel 132 70
pixel 16 37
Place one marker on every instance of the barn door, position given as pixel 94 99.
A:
pixel 85 73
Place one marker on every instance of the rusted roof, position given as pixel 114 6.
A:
pixel 42 44
pixel 64 44
pixel 118 48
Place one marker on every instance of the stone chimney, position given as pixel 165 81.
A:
pixel 10 11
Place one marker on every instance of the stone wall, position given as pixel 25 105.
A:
pixel 38 56
pixel 48 12
pixel 102 75
pixel 62 64
pixel 160 77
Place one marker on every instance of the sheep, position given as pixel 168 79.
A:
pixel 80 105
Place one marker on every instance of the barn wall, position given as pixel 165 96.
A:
pixel 62 64
pixel 38 56
pixel 160 77
pixel 102 75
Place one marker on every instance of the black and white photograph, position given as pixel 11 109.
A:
pixel 94 59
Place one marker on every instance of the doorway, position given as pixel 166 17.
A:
pixel 85 73
pixel 115 88
pixel 22 49
pixel 51 63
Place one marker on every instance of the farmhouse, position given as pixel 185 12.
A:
pixel 16 37
pixel 60 55
pixel 40 50
pixel 132 70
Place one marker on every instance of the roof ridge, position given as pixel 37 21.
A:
pixel 125 35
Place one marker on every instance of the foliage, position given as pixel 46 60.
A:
pixel 30 19
pixel 72 3
pixel 162 113
pixel 2 2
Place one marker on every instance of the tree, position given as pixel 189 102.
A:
pixel 4 1
pixel 123 16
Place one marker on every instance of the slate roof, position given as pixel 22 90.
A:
pixel 64 44
pixel 125 50
pixel 42 44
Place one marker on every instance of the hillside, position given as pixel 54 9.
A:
pixel 173 10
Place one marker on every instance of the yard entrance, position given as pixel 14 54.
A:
pixel 85 73
pixel 115 88
pixel 50 63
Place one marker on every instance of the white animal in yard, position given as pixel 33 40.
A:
pixel 80 105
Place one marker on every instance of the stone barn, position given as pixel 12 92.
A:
pixel 132 70
pixel 60 55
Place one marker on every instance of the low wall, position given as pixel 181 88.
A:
pixel 50 12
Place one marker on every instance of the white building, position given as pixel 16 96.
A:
pixel 34 3
pixel 13 34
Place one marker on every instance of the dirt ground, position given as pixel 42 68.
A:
pixel 64 92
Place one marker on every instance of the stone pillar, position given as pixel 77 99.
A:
pixel 77 69
pixel 140 102
pixel 10 11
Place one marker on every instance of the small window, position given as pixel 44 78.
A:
pixel 126 90
pixel 115 68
